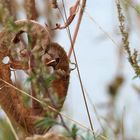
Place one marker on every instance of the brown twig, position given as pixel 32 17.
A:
pixel 77 27
pixel 72 41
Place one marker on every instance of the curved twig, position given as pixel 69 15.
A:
pixel 77 27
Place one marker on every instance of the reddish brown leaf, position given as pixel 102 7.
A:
pixel 55 57
pixel 73 11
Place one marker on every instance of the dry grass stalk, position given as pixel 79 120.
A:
pixel 132 57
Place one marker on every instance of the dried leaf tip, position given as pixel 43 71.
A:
pixel 73 11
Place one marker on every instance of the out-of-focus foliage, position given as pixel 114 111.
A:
pixel 5 130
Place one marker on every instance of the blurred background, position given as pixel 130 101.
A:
pixel 113 91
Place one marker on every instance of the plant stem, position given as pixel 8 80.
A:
pixel 77 27
pixel 72 41
pixel 12 128
pixel 52 108
pixel 31 13
pixel 55 106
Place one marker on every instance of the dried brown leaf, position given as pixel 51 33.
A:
pixel 73 11
pixel 9 97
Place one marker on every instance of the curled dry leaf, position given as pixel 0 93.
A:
pixel 40 58
pixel 73 11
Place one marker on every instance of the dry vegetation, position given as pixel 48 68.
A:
pixel 26 45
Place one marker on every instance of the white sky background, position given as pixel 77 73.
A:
pixel 98 59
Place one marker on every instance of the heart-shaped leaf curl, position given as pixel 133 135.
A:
pixel 47 66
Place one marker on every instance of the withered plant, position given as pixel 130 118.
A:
pixel 28 49
pixel 28 46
